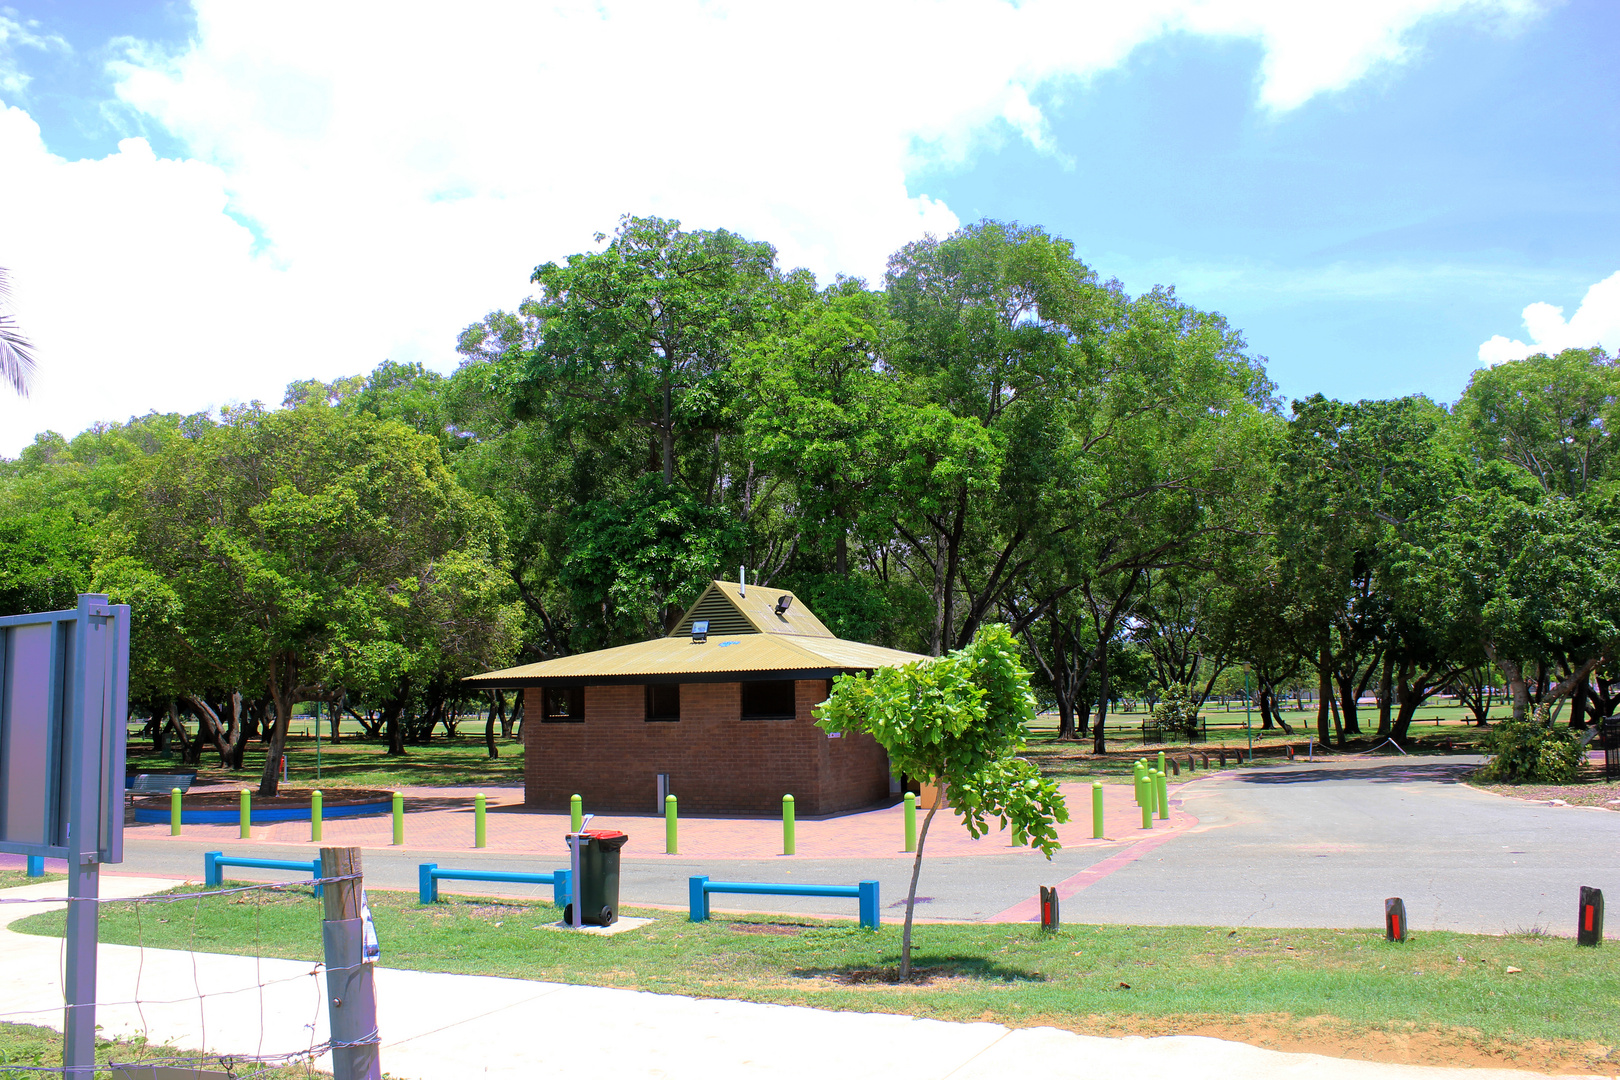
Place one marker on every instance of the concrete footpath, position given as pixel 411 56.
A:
pixel 447 1027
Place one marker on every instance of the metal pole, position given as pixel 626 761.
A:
pixel 787 825
pixel 1096 810
pixel 478 820
pixel 244 814
pixel 670 847
pixel 315 816
pixel 86 723
pixel 399 819
pixel 351 996
pixel 911 821
pixel 174 811
pixel 318 742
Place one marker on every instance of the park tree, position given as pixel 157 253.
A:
pixel 297 543
pixel 958 720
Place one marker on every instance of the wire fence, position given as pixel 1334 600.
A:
pixel 142 1014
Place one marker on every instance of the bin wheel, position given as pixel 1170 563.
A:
pixel 568 914
pixel 607 915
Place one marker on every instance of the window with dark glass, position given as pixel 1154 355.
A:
pixel 768 700
pixel 664 702
pixel 563 705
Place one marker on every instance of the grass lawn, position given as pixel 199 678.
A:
pixel 12 878
pixel 1442 997
pixel 354 762
pixel 30 1045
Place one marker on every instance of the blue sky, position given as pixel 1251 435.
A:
pixel 229 196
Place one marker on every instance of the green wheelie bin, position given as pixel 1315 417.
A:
pixel 598 878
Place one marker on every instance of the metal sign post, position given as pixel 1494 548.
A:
pixel 64 706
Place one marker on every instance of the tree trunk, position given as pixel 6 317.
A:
pixel 1324 693
pixel 1097 745
pixel 916 870
pixel 1386 688
pixel 489 728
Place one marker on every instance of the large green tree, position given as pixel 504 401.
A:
pixel 300 543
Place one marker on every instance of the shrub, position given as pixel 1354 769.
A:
pixel 1532 752
pixel 1176 712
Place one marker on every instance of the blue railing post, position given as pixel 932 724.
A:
pixel 211 869
pixel 869 905
pixel 426 887
pixel 699 897
pixel 315 870
pixel 562 888
pixel 36 866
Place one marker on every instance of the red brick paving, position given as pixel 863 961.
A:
pixel 441 819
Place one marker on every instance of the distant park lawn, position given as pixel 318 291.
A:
pixel 1452 993
pixel 10 879
pixel 463 761
pixel 355 761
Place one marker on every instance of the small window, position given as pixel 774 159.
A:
pixel 664 702
pixel 564 705
pixel 769 700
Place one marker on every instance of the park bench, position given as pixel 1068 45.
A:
pixel 213 860
pixel 866 892
pixel 155 783
pixel 158 783
pixel 428 876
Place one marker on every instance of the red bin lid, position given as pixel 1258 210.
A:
pixel 603 834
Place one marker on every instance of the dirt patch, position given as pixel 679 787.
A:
pixel 775 929
pixel 1594 792
pixel 1402 1044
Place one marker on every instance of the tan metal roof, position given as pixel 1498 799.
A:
pixel 732 609
pixel 723 658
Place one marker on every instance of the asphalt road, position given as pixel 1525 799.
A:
pixel 1292 845
pixel 1324 844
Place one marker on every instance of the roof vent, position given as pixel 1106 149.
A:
pixel 700 631
pixel 783 603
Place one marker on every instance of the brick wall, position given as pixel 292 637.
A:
pixel 718 762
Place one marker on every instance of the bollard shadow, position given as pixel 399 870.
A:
pixel 1393 772
pixel 926 969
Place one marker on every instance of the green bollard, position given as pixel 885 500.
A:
pixel 174 811
pixel 1161 792
pixel 1096 809
pixel 1147 815
pixel 576 813
pixel 399 820
pixel 670 818
pixel 244 812
pixel 478 820
pixel 1137 772
pixel 787 824
pixel 911 821
pixel 314 816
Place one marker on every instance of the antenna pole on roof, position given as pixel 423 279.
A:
pixel 742 578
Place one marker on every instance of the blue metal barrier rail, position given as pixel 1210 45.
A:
pixel 866 892
pixel 428 876
pixel 213 860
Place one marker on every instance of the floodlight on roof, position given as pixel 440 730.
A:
pixel 783 603
pixel 700 631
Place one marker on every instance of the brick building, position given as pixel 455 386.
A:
pixel 717 714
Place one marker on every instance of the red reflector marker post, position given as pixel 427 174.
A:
pixel 1394 919
pixel 1589 923
pixel 1049 908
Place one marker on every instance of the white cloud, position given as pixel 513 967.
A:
pixel 363 185
pixel 1595 322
